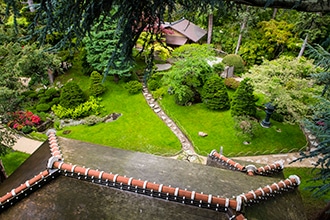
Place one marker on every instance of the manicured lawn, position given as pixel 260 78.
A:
pixel 13 160
pixel 138 129
pixel 312 204
pixel 221 132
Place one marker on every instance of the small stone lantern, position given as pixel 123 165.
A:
pixel 269 108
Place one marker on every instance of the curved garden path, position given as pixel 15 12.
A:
pixel 186 144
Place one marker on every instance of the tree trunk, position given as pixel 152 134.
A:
pixel 239 41
pixel 274 13
pixel 116 78
pixel 210 29
pixel 3 174
pixel 31 7
pixel 303 47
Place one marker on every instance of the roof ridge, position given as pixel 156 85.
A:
pixel 250 169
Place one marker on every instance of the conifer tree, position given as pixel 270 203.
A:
pixel 243 103
pixel 100 45
pixel 215 94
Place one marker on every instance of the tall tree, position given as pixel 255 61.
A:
pixel 100 45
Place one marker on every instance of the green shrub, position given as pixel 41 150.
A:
pixel 219 67
pixel 277 117
pixel 243 103
pixel 27 129
pixel 231 83
pixel 52 92
pixel 71 95
pixel 133 87
pixel 153 84
pixel 54 101
pixel 92 120
pixel 90 107
pixel 183 95
pixel 215 94
pixel 245 127
pixel 96 88
pixel 159 93
pixel 43 100
pixel 44 107
pixel 236 61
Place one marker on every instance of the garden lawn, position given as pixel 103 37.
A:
pixel 219 125
pixel 312 204
pixel 138 129
pixel 13 160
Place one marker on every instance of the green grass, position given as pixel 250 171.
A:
pixel 138 129
pixel 221 132
pixel 13 160
pixel 312 204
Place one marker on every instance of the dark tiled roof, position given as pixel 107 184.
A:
pixel 65 198
pixel 188 29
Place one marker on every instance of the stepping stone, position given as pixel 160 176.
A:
pixel 152 105
pixel 163 117
pixel 157 110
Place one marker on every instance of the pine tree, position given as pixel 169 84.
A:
pixel 100 46
pixel 215 94
pixel 243 103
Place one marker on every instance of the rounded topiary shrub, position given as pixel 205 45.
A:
pixel 236 61
pixel 133 87
pixel 71 95
pixel 184 95
pixel 215 94
pixel 96 87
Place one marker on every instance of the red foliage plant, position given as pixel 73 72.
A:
pixel 20 119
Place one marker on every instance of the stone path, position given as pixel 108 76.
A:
pixel 186 144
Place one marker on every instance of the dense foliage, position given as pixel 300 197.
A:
pixel 91 107
pixel 243 103
pixel 236 61
pixel 286 83
pixel 71 95
pixel 189 73
pixel 215 94
pixel 96 88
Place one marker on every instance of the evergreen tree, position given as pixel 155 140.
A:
pixel 100 45
pixel 243 103
pixel 215 94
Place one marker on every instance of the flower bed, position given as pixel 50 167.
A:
pixel 23 121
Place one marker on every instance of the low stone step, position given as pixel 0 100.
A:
pixel 157 110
